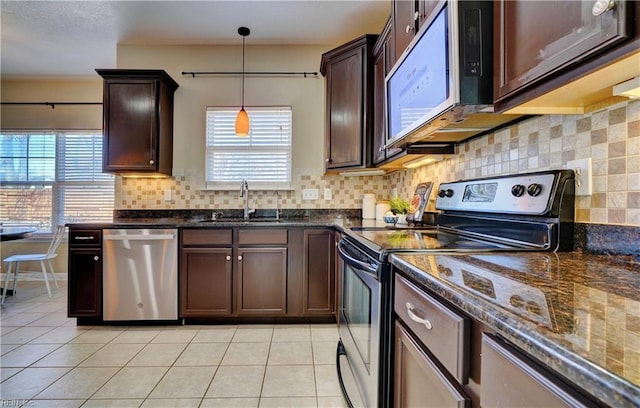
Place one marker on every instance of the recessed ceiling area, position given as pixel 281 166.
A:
pixel 72 38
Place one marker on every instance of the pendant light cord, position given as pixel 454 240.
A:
pixel 243 38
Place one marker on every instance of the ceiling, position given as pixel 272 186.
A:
pixel 72 38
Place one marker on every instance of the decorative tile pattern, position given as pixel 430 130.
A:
pixel 611 137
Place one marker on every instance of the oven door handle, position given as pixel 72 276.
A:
pixel 367 267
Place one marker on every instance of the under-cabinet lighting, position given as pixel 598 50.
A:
pixel 630 88
pixel 423 161
pixel 372 172
pixel 143 175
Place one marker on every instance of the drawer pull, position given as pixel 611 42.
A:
pixel 85 238
pixel 417 319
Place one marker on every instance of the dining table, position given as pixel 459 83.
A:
pixel 12 233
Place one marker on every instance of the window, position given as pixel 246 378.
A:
pixel 263 158
pixel 51 178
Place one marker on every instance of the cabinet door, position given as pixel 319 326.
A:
pixel 262 281
pixel 404 25
pixel 318 280
pixel 509 380
pixel 205 282
pixel 130 125
pixel 526 51
pixel 85 282
pixel 425 8
pixel 345 110
pixel 381 67
pixel 379 122
pixel 418 381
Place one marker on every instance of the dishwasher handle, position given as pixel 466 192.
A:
pixel 146 237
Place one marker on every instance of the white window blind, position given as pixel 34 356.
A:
pixel 263 158
pixel 53 178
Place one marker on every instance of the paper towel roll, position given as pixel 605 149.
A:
pixel 381 209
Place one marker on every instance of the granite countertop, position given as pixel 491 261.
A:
pixel 341 219
pixel 579 314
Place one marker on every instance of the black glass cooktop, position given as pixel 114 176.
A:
pixel 388 240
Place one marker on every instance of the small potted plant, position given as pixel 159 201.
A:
pixel 400 207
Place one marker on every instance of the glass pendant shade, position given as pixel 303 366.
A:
pixel 242 123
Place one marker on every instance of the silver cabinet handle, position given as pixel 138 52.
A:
pixel 96 258
pixel 602 6
pixel 228 257
pixel 408 29
pixel 239 257
pixel 151 162
pixel 417 319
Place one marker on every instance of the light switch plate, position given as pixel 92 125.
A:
pixel 310 194
pixel 584 176
pixel 328 195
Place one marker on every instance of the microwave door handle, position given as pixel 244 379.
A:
pixel 370 269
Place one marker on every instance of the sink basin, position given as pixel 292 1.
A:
pixel 250 220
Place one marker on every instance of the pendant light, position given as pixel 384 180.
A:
pixel 242 120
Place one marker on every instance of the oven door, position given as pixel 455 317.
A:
pixel 359 323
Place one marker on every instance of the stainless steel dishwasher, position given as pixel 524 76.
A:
pixel 140 274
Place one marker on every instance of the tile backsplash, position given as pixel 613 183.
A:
pixel 186 193
pixel 610 137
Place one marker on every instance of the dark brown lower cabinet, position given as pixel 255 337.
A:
pixel 84 289
pixel 262 281
pixel 418 379
pixel 84 282
pixel 318 273
pixel 205 282
pixel 510 379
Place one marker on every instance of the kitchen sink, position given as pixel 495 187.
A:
pixel 242 220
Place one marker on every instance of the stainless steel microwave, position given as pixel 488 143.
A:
pixel 445 73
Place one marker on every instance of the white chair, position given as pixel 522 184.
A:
pixel 51 253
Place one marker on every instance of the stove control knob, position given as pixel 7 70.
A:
pixel 445 193
pixel 517 190
pixel 534 189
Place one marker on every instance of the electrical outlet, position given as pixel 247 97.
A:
pixel 328 195
pixel 168 195
pixel 584 176
pixel 310 194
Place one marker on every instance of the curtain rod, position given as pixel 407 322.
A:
pixel 257 73
pixel 52 104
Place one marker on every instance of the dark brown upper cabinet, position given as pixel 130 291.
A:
pixel 382 54
pixel 407 17
pixel 542 46
pixel 138 121
pixel 348 70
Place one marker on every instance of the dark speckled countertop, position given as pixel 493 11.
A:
pixel 578 314
pixel 340 219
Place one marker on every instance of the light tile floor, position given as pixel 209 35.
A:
pixel 48 361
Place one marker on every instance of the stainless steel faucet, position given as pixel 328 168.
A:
pixel 244 192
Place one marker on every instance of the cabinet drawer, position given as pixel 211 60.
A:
pixel 510 379
pixel 418 378
pixel 85 237
pixel 206 237
pixel 443 331
pixel 262 236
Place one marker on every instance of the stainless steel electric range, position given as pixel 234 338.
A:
pixel 523 212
